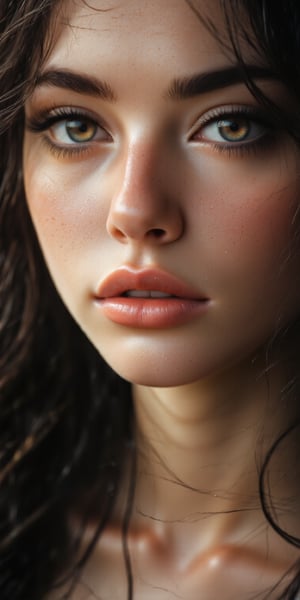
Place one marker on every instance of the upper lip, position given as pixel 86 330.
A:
pixel 126 279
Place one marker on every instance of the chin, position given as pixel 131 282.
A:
pixel 155 370
pixel 167 358
pixel 153 379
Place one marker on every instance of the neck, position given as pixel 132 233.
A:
pixel 200 447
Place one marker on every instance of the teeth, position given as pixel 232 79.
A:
pixel 159 295
pixel 146 294
pixel 137 294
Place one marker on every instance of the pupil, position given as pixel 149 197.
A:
pixel 82 128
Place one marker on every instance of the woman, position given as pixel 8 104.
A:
pixel 150 163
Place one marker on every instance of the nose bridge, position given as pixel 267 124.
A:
pixel 141 177
pixel 141 206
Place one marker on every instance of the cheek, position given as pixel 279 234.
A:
pixel 62 193
pixel 69 221
pixel 59 202
pixel 245 241
pixel 247 220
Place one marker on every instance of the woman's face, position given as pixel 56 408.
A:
pixel 148 168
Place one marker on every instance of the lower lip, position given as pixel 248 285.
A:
pixel 151 313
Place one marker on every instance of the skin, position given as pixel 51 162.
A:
pixel 203 402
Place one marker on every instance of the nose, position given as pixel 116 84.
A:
pixel 143 209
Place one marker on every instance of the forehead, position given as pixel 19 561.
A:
pixel 137 33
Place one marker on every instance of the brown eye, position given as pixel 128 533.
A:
pixel 77 131
pixel 231 129
pixel 80 131
pixel 234 130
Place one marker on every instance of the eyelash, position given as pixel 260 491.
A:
pixel 43 122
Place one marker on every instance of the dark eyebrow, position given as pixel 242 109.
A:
pixel 187 87
pixel 180 88
pixel 77 83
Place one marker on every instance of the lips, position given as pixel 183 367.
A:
pixel 148 298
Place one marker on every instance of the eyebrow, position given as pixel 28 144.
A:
pixel 77 83
pixel 179 89
pixel 188 87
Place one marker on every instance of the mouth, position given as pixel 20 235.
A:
pixel 146 294
pixel 148 299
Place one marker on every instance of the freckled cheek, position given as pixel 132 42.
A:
pixel 242 234
pixel 250 223
pixel 71 226
pixel 67 213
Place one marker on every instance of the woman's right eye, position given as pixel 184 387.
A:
pixel 77 130
pixel 68 131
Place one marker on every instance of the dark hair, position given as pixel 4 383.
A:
pixel 60 405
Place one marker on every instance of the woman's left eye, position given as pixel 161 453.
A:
pixel 231 129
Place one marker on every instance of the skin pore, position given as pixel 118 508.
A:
pixel 125 174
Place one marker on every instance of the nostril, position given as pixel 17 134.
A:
pixel 156 233
pixel 118 234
